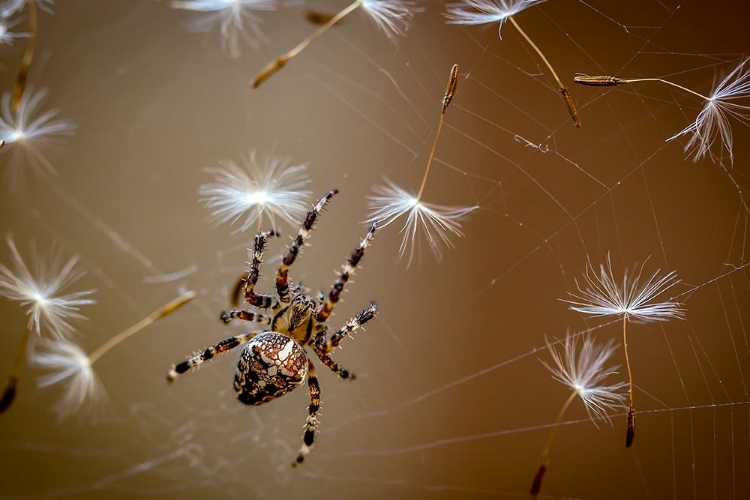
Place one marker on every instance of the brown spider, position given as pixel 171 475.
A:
pixel 274 360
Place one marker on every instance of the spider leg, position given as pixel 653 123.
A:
pixel 210 353
pixel 227 316
pixel 333 366
pixel 312 419
pixel 325 309
pixel 322 347
pixel 350 327
pixel 262 301
pixel 282 280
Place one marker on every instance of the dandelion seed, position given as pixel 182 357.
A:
pixel 473 12
pixel 486 11
pixel 27 134
pixel 6 36
pixel 392 16
pixel 48 311
pixel 10 7
pixel 233 17
pixel 40 288
pixel 712 122
pixel 68 363
pixel 584 372
pixel 634 300
pixel 435 221
pixel 263 185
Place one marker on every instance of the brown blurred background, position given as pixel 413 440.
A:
pixel 452 401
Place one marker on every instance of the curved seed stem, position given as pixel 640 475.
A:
pixel 630 434
pixel 271 68
pixel 536 484
pixel 28 57
pixel 562 88
pixel 165 310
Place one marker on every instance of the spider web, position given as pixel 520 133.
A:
pixel 451 399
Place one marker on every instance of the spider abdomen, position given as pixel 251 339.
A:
pixel 271 365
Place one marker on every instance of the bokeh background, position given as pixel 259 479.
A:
pixel 451 400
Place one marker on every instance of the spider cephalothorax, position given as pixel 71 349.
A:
pixel 274 361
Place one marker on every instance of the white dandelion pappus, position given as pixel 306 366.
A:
pixel 472 12
pixel 7 36
pixel 40 287
pixel 634 299
pixel 11 7
pixel 584 372
pixel 26 133
pixel 69 364
pixel 265 185
pixel 232 17
pixel 435 221
pixel 712 122
pixel 392 16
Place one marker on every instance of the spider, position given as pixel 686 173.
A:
pixel 274 361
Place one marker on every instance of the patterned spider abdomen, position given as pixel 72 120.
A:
pixel 271 365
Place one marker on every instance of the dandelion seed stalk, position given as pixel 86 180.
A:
pixel 28 57
pixel 610 81
pixel 450 91
pixel 271 68
pixel 630 433
pixel 163 311
pixel 562 88
pixel 536 484
pixel 15 372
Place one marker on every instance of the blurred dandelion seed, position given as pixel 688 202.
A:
pixel 6 36
pixel 473 12
pixel 392 16
pixel 26 133
pixel 634 300
pixel 391 201
pixel 584 372
pixel 263 185
pixel 233 17
pixel 69 363
pixel 39 288
pixel 712 122
pixel 49 312
pixel 11 7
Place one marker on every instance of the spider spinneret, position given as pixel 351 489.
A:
pixel 274 361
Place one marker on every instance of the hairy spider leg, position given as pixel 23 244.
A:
pixel 333 366
pixel 261 301
pixel 326 308
pixel 322 347
pixel 351 326
pixel 312 419
pixel 227 316
pixel 211 352
pixel 282 278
